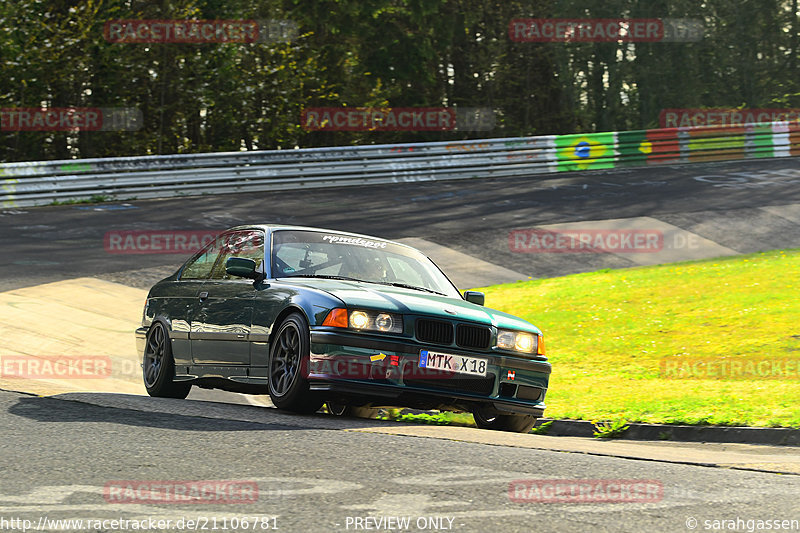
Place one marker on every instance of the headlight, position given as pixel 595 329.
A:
pixel 384 322
pixel 519 341
pixel 359 319
pixel 365 320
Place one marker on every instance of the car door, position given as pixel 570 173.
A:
pixel 183 299
pixel 221 327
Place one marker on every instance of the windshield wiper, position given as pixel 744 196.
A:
pixel 407 286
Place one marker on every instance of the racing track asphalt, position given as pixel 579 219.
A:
pixel 743 206
pixel 316 472
pixel 62 450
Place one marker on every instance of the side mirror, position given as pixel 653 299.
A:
pixel 241 267
pixel 475 297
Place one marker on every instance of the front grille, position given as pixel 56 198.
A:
pixel 474 385
pixel 476 337
pixel 434 331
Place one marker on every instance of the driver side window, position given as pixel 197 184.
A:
pixel 199 267
pixel 248 244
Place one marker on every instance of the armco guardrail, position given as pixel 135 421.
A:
pixel 40 183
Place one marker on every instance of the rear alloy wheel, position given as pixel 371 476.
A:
pixel 158 366
pixel 288 356
pixel 351 411
pixel 514 423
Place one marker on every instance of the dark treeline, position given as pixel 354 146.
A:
pixel 379 53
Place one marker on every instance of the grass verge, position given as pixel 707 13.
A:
pixel 610 333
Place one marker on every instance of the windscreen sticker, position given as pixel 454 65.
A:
pixel 355 241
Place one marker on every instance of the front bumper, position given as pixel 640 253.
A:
pixel 141 338
pixel 358 366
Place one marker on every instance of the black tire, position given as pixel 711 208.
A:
pixel 158 366
pixel 288 357
pixel 351 411
pixel 513 423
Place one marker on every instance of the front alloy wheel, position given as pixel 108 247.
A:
pixel 158 366
pixel 288 357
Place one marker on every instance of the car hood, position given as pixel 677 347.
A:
pixel 357 295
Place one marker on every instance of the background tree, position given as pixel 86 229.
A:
pixel 379 53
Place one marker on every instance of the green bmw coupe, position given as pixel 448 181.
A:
pixel 311 315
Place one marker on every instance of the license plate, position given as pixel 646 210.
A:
pixel 460 364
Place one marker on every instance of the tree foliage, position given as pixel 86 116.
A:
pixel 379 53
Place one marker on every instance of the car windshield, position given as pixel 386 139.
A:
pixel 351 257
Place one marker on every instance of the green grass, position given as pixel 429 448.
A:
pixel 435 418
pixel 606 333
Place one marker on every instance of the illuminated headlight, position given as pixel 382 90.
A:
pixel 519 341
pixel 376 321
pixel 359 319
